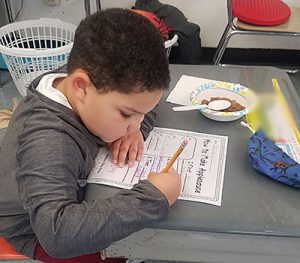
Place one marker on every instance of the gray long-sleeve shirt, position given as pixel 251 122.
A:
pixel 45 153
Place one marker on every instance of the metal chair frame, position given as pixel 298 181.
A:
pixel 232 29
pixel 87 6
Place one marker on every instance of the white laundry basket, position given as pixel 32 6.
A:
pixel 33 47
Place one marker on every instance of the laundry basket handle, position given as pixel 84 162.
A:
pixel 56 21
pixel 45 19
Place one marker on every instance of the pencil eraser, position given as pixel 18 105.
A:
pixel 185 142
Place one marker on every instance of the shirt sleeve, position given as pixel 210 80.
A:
pixel 49 165
pixel 148 123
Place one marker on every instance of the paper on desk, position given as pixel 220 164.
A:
pixel 186 84
pixel 201 164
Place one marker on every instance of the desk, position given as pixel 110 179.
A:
pixel 259 220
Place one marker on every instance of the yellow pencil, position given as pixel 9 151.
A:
pixel 175 156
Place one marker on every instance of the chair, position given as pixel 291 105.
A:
pixel 7 252
pixel 290 28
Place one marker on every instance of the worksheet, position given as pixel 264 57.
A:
pixel 201 164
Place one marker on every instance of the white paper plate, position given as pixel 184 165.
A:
pixel 233 91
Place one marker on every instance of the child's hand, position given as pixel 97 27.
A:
pixel 131 146
pixel 168 183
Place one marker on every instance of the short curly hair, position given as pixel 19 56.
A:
pixel 121 51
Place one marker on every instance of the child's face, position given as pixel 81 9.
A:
pixel 113 115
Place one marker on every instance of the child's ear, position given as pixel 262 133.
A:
pixel 80 84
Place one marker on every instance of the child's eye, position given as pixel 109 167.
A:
pixel 125 115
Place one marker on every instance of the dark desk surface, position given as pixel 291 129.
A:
pixel 252 204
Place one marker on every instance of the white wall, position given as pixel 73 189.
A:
pixel 211 15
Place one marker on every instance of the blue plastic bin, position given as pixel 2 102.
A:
pixel 2 63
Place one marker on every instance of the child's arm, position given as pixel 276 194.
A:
pixel 148 123
pixel 50 163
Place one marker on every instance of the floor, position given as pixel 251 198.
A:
pixel 8 91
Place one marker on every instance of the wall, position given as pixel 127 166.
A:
pixel 211 15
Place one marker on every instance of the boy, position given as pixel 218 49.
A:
pixel 116 73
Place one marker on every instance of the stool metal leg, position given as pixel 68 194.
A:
pixel 223 45
pixel 87 6
pixel 98 3
pixel 8 11
pixel 137 260
pixel 218 55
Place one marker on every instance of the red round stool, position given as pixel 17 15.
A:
pixel 261 12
